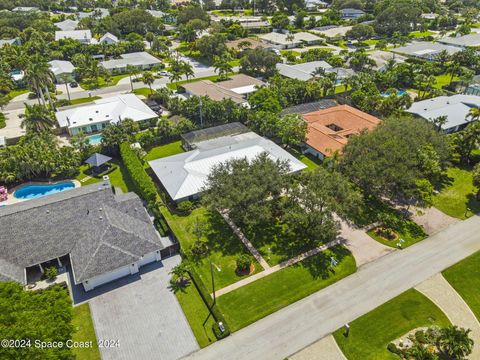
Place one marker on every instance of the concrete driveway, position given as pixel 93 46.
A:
pixel 145 317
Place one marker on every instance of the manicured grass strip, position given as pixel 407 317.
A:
pixel 420 34
pixel 454 198
pixel 256 300
pixel 14 93
pixel 142 91
pixel 196 313
pixel 84 331
pixel 174 85
pixel 465 279
pixel 118 178
pixel 102 83
pixel 410 232
pixel 223 245
pixel 309 160
pixel 370 334
pixel 84 100
pixel 164 150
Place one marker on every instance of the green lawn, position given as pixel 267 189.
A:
pixel 420 34
pixel 83 331
pixel 370 42
pixel 142 91
pixel 114 79
pixel 309 160
pixel 465 279
pixel 196 313
pixel 443 80
pixel 15 93
pixel 289 52
pixel 84 100
pixel 223 245
pixel 118 178
pixel 256 300
pixel 370 334
pixel 408 230
pixel 459 194
pixel 164 151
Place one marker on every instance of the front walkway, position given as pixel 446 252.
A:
pixel 324 349
pixel 442 294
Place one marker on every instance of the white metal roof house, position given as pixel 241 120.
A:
pixel 108 39
pixel 184 176
pixel 104 236
pixel 141 60
pixel 280 41
pixel 425 50
pixel 463 42
pixel 350 14
pixel 95 117
pixel 84 36
pixel 456 108
pixel 303 71
pixel 14 41
pixel 62 69
pixel 66 25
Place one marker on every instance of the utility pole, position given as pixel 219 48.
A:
pixel 201 113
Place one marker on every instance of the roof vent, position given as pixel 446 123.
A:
pixel 96 111
pixel 100 209
pixel 48 211
pixel 100 217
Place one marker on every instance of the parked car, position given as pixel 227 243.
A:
pixel 164 73
pixel 73 84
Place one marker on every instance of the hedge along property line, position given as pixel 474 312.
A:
pixel 207 299
pixel 144 185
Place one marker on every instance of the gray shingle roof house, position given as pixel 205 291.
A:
pixel 425 50
pixel 66 25
pixel 456 108
pixel 470 40
pixel 350 13
pixel 106 236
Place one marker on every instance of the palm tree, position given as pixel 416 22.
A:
pixel 65 79
pixel 38 76
pixel 180 272
pixel 132 71
pixel 187 69
pixel 474 114
pixel 37 118
pixel 148 79
pixel 175 76
pixel 222 66
pixel 290 38
pixel 454 342
pixel 453 69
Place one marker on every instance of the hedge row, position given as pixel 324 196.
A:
pixel 143 183
pixel 207 299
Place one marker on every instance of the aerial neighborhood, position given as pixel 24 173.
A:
pixel 295 179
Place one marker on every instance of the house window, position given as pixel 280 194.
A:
pixel 334 127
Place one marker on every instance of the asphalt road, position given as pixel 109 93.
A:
pixel 289 330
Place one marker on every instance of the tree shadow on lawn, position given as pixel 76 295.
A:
pixel 473 204
pixel 320 266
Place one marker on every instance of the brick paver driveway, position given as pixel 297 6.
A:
pixel 144 316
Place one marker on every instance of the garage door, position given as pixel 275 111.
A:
pixel 105 278
pixel 147 259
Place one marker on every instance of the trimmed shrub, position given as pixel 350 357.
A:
pixel 185 207
pixel 3 122
pixel 243 262
pixel 207 299
pixel 393 348
pixel 51 273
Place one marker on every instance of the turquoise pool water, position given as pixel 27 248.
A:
pixel 38 190
pixel 399 93
pixel 95 139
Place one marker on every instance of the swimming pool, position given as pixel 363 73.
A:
pixel 95 139
pixel 34 191
pixel 399 93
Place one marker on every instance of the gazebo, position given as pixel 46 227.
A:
pixel 96 161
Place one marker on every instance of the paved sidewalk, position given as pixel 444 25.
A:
pixel 276 268
pixel 447 299
pixel 324 349
pixel 245 241
pixel 306 321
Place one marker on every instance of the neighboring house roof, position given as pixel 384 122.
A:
pixel 455 108
pixel 100 231
pixel 15 41
pixel 66 25
pixel 97 159
pixel 112 109
pixel 141 58
pixel 61 67
pixel 332 31
pixel 303 71
pixel 329 129
pixel 186 174
pixel 312 3
pixel 426 50
pixel 156 13
pixel 25 9
pixel 381 58
pixel 101 12
pixel 235 88
pixel 309 107
pixel 462 41
pixel 80 35
pixel 281 39
pixel 351 12
pixel 234 44
pixel 107 37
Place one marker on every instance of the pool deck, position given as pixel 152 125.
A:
pixel 13 200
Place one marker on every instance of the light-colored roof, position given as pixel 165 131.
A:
pixel 61 67
pixel 108 36
pixel 8 41
pixel 302 71
pixel 25 9
pixel 156 13
pixel 66 25
pixel 424 49
pixel 135 59
pixel 101 11
pixel 333 31
pixel 233 89
pixel 81 35
pixel 3 141
pixel 281 39
pixel 253 43
pixel 329 129
pixel 186 174
pixel 352 11
pixel 463 41
pixel 455 108
pixel 110 109
pixel 381 57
